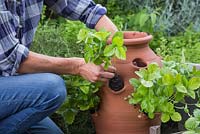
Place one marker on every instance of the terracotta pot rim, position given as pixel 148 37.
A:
pixel 138 38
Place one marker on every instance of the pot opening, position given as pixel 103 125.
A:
pixel 116 83
pixel 139 63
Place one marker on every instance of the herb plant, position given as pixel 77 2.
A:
pixel 160 89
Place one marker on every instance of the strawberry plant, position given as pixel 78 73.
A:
pixel 160 89
pixel 82 93
pixel 81 97
pixel 96 49
pixel 193 123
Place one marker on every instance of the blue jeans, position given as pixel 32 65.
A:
pixel 27 100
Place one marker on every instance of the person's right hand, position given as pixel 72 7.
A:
pixel 95 73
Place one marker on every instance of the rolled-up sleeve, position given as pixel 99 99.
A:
pixel 84 10
pixel 12 53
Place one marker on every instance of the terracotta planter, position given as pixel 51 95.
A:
pixel 115 115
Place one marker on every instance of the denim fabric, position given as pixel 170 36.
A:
pixel 26 101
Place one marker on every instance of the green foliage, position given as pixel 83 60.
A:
pixel 177 15
pixel 143 21
pixel 60 40
pixel 82 93
pixel 159 89
pixel 81 97
pixel 96 49
pixel 174 15
pixel 117 7
pixel 171 47
pixel 193 123
pixel 54 40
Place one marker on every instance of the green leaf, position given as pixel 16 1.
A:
pixel 197 105
pixel 102 35
pixel 84 107
pixel 191 124
pixel 142 90
pixel 170 107
pixel 153 18
pixel 168 79
pixel 69 116
pixel 163 107
pixel 82 35
pixel 151 115
pixel 143 19
pixel 144 104
pixel 179 96
pixel 168 91
pixel 118 39
pixel 181 88
pixel 142 73
pixel 120 53
pixel 109 50
pixel 134 82
pixel 153 67
pixel 153 71
pixel 151 107
pixel 134 101
pixel 146 83
pixel 165 117
pixel 196 114
pixel 85 89
pixel 194 83
pixel 178 79
pixel 191 94
pixel 176 116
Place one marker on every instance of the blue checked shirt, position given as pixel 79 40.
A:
pixel 19 20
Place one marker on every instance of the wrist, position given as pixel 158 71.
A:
pixel 105 23
pixel 78 64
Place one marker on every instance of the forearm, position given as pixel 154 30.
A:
pixel 38 63
pixel 105 23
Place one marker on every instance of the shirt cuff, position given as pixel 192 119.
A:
pixel 96 12
pixel 12 63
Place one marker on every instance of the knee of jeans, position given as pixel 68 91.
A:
pixel 56 87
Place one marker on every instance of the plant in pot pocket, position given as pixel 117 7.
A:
pixel 193 123
pixel 159 89
pixel 82 93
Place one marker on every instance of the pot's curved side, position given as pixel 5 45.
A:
pixel 115 115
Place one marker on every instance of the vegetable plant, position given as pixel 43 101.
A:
pixel 158 90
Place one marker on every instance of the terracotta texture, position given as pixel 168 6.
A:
pixel 115 115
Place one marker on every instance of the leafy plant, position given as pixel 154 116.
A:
pixel 160 89
pixel 143 21
pixel 82 93
pixel 171 47
pixel 81 97
pixel 193 123
pixel 96 49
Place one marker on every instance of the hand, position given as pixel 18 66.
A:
pixel 95 73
